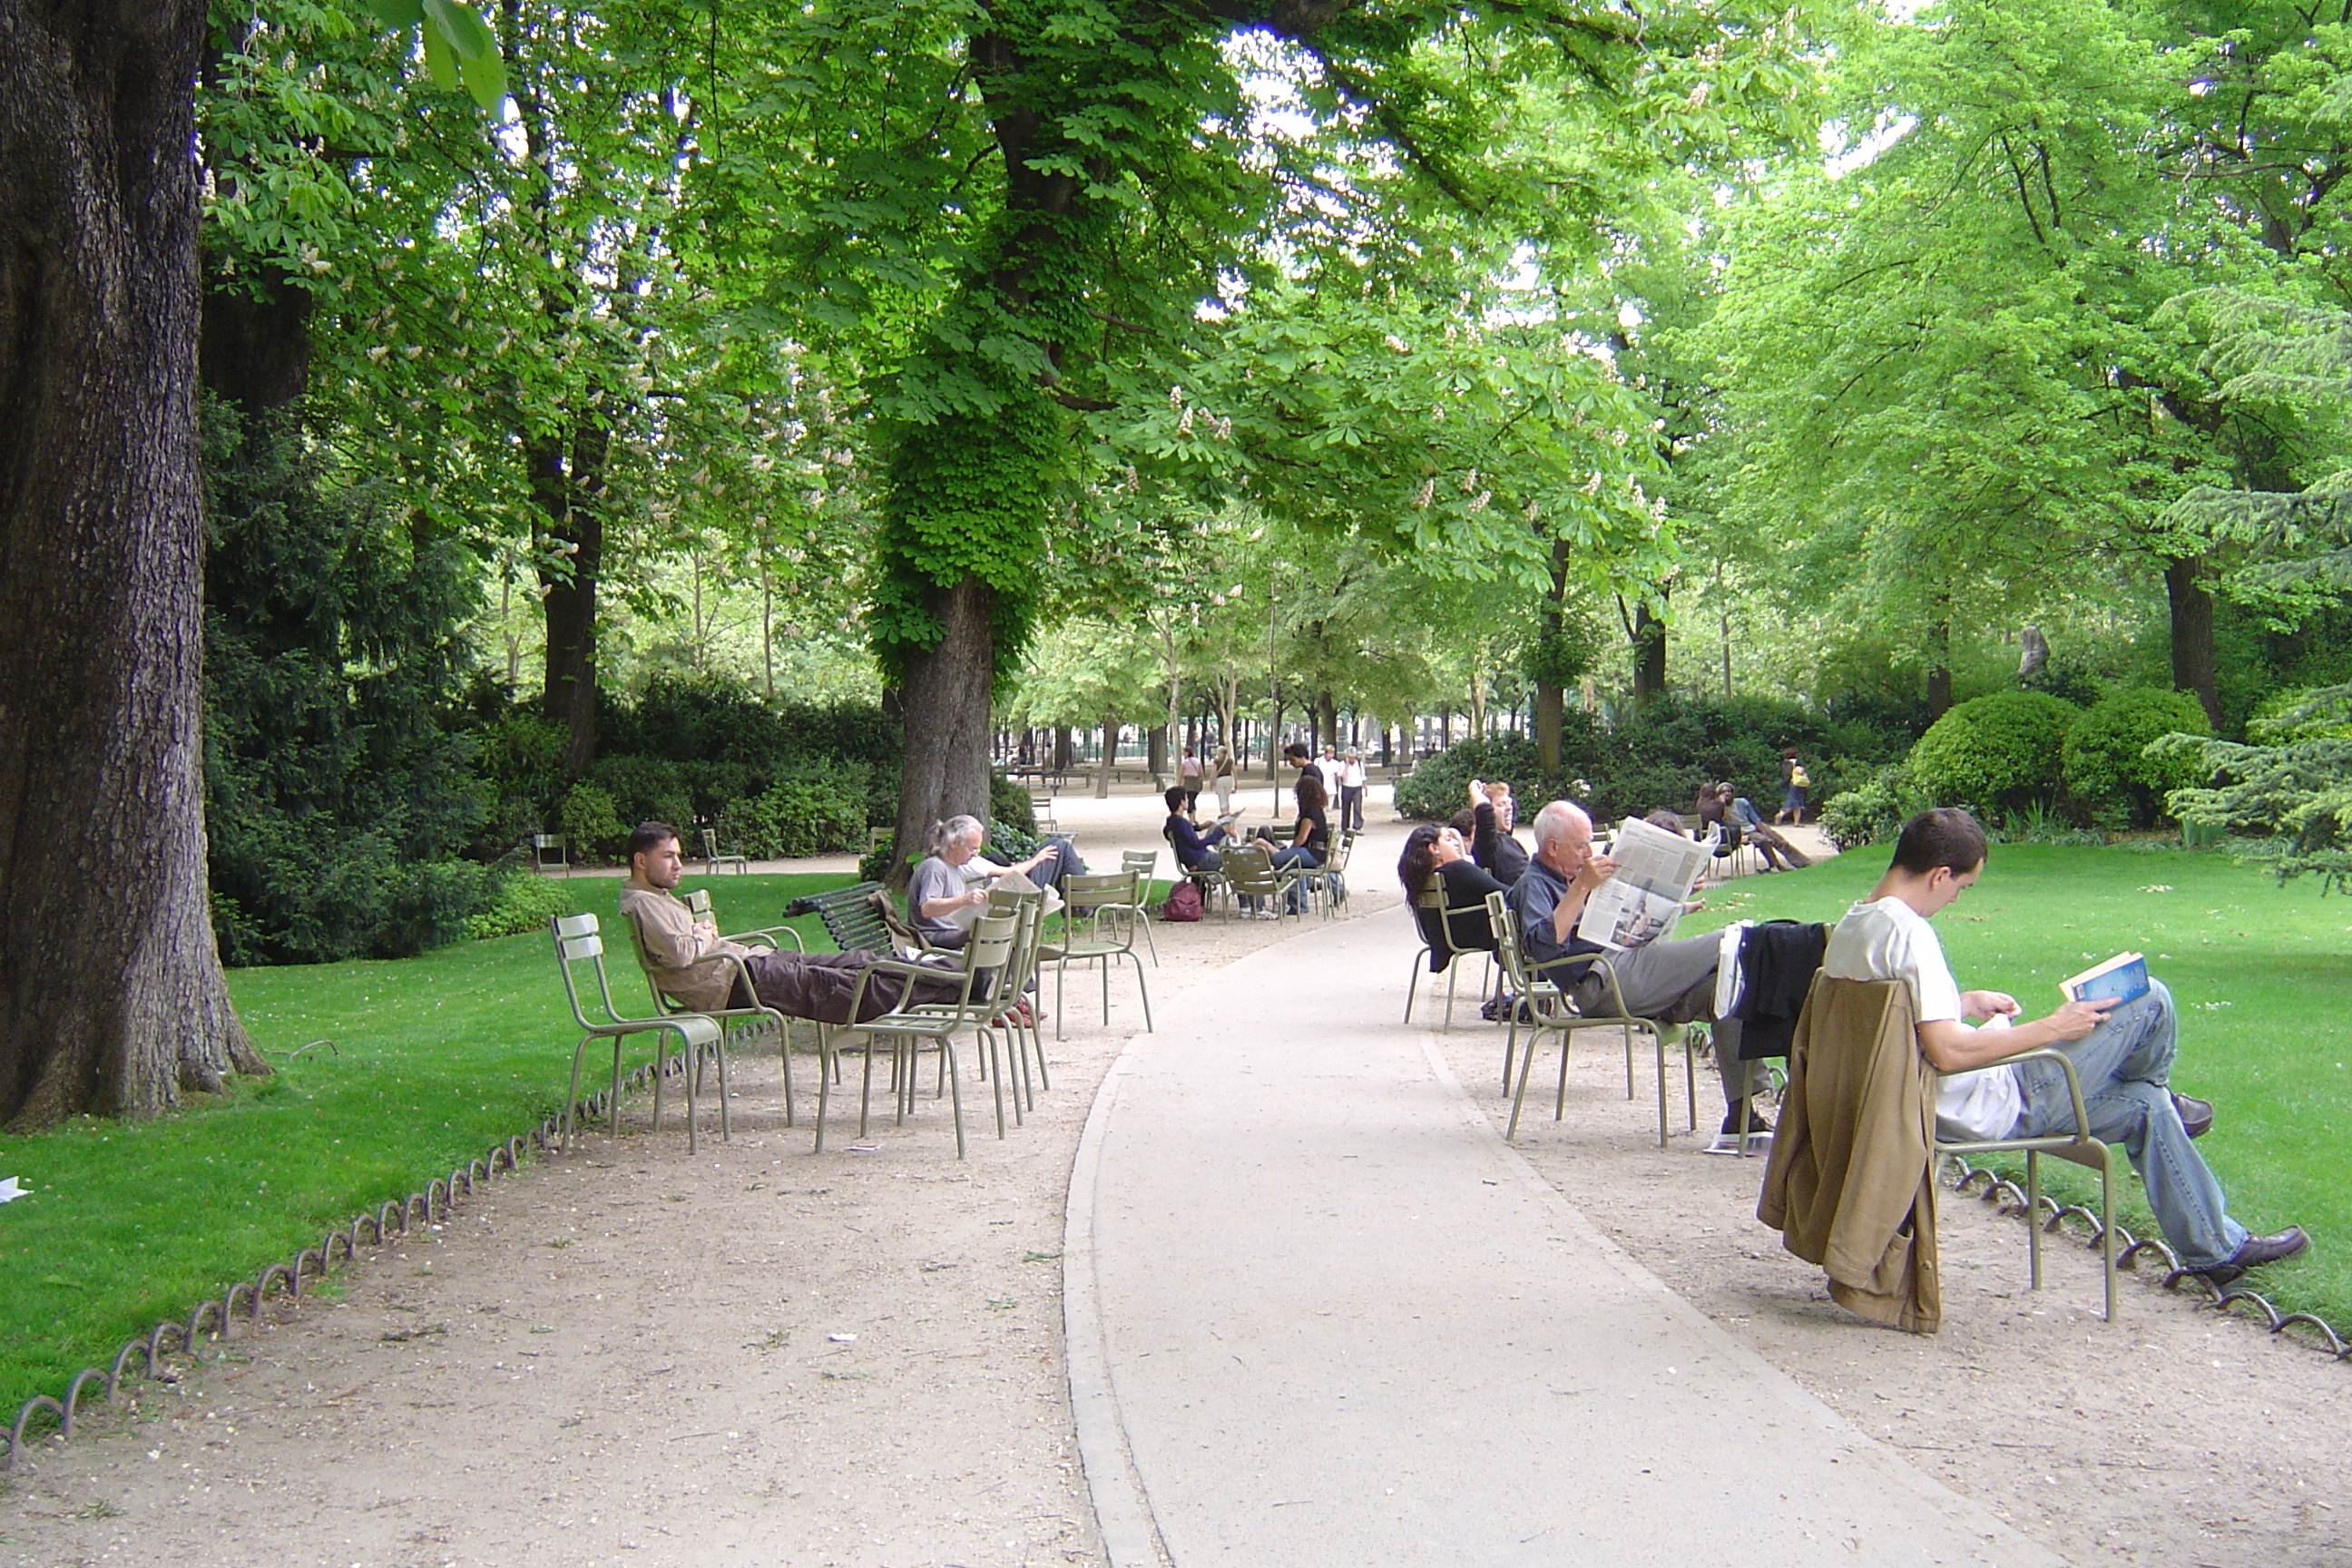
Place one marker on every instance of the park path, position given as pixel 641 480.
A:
pixel 1319 1313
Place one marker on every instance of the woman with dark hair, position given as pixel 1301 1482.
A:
pixel 1429 850
pixel 1312 840
pixel 1794 782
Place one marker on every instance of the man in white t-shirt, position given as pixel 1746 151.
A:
pixel 2121 1053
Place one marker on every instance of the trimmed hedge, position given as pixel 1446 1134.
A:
pixel 2108 772
pixel 1998 754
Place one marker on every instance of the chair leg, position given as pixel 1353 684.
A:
pixel 1661 1040
pixel 2033 1217
pixel 613 1106
pixel 996 1080
pixel 2108 1225
pixel 1510 1041
pixel 955 1089
pixel 571 1095
pixel 824 1082
pixel 1142 992
pixel 1413 983
pixel 785 1063
pixel 1452 976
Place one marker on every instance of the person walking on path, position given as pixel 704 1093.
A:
pixel 1352 782
pixel 2122 1052
pixel 1221 773
pixel 1188 777
pixel 1794 782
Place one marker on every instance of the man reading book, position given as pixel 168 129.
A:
pixel 2122 1052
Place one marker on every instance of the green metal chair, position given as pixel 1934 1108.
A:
pixel 1539 995
pixel 1140 864
pixel 738 1021
pixel 1250 872
pixel 576 943
pixel 909 1026
pixel 1103 903
pixel 1432 897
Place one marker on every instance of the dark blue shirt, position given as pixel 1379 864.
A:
pixel 1534 897
pixel 1189 841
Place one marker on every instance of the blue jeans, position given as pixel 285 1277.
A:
pixel 2123 1065
pixel 1300 856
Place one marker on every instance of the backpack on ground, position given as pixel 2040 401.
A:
pixel 1183 903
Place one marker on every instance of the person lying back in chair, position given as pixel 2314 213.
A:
pixel 2122 1053
pixel 693 963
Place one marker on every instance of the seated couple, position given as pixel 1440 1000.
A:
pixel 1720 805
pixel 2122 1053
pixel 696 965
pixel 1309 846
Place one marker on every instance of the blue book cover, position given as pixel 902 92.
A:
pixel 2123 977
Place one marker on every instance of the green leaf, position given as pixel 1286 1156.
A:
pixel 397 14
pixel 438 64
pixel 461 26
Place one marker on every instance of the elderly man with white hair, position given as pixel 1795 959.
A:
pixel 953 878
pixel 1671 982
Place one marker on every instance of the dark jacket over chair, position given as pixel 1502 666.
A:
pixel 1851 1185
pixel 1778 960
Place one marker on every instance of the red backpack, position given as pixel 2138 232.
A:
pixel 1183 903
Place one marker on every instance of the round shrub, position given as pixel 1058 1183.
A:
pixel 1440 786
pixel 1875 811
pixel 2000 754
pixel 591 823
pixel 2108 772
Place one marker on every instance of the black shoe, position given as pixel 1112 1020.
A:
pixel 1495 1011
pixel 2196 1115
pixel 2253 1252
pixel 1756 1123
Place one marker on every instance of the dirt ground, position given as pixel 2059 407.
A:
pixel 2173 1437
pixel 627 1355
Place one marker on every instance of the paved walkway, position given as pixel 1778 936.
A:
pixel 1320 1314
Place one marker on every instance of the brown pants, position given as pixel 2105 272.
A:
pixel 820 986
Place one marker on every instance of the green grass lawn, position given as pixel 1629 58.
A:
pixel 2261 976
pixel 437 1058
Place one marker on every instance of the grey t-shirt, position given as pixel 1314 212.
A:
pixel 935 879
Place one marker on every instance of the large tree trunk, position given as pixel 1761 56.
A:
pixel 946 696
pixel 2193 632
pixel 1104 763
pixel 1940 665
pixel 112 998
pixel 571 528
pixel 1649 656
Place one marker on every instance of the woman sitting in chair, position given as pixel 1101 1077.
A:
pixel 1310 841
pixel 1441 850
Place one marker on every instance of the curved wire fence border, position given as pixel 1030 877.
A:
pixel 388 1218
pixel 2009 1198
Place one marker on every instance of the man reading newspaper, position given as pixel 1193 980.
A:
pixel 1570 904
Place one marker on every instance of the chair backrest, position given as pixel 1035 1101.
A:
pixel 1027 908
pixel 1146 861
pixel 1506 943
pixel 990 950
pixel 850 918
pixel 548 849
pixel 1084 892
pixel 578 941
pixel 1251 870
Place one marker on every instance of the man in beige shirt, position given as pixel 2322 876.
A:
pixel 698 967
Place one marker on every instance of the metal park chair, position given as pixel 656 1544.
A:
pixel 577 943
pixel 1105 903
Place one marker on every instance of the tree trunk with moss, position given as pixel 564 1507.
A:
pixel 112 996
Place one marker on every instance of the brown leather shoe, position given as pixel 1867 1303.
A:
pixel 2253 1252
pixel 2196 1115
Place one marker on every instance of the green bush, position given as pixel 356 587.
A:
pixel 646 789
pixel 591 823
pixel 1009 803
pixel 1439 788
pixel 816 808
pixel 2107 769
pixel 520 903
pixel 1998 754
pixel 1875 812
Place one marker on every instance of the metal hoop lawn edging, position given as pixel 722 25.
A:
pixel 2009 1198
pixel 216 1315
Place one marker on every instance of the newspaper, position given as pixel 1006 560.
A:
pixel 1655 870
pixel 976 872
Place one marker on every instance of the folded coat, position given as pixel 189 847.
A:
pixel 1851 1184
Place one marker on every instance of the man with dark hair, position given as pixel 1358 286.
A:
pixel 2122 1052
pixel 698 967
